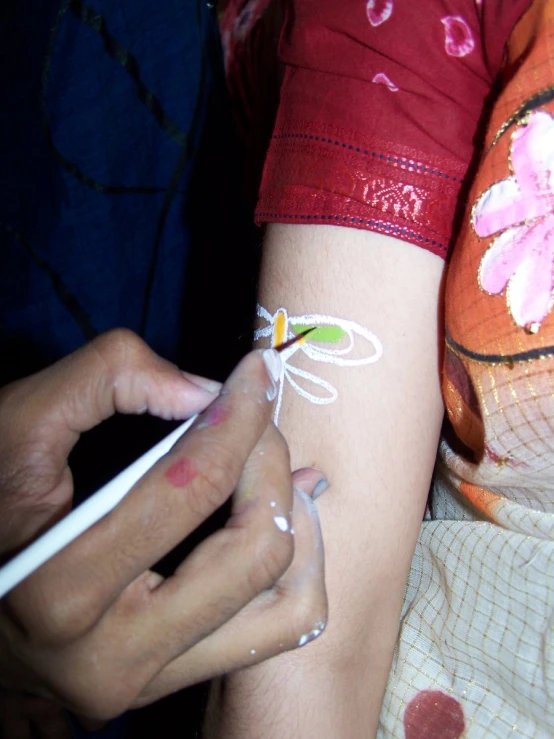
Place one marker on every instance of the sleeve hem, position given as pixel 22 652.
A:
pixel 319 174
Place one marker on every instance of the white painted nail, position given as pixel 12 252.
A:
pixel 273 363
pixel 320 488
pixel 274 368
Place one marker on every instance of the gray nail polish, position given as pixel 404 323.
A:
pixel 320 488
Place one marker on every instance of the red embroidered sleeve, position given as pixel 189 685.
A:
pixel 380 108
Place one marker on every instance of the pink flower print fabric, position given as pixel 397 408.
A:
pixel 458 38
pixel 382 79
pixel 520 209
pixel 379 11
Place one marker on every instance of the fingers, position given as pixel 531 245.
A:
pixel 71 592
pixel 291 614
pixel 46 412
pixel 232 566
pixel 154 621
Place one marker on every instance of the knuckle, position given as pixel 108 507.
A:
pixel 273 551
pixel 54 620
pixel 215 481
pixel 116 346
pixel 95 682
pixel 20 466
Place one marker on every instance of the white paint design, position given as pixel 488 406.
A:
pixel 313 634
pixel 325 354
pixel 281 523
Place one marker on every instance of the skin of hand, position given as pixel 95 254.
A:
pixel 94 629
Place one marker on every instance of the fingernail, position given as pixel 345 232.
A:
pixel 320 488
pixel 210 386
pixel 274 368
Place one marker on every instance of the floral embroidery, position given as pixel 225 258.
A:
pixel 521 210
pixel 379 11
pixel 382 79
pixel 458 39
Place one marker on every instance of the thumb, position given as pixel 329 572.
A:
pixel 311 481
pixel 117 372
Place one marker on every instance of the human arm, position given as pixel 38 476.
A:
pixel 95 629
pixel 378 441
pixel 377 124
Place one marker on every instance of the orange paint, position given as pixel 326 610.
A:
pixel 280 328
pixel 484 500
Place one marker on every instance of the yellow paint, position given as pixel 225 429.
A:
pixel 279 328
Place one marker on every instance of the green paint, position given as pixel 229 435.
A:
pixel 328 334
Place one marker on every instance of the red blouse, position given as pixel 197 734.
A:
pixel 381 111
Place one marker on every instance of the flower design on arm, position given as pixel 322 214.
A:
pixel 331 331
pixel 520 209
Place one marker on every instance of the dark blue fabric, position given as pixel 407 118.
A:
pixel 112 116
pixel 102 104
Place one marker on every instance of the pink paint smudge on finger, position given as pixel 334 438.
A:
pixel 181 473
pixel 458 39
pixel 379 11
pixel 382 79
pixel 215 415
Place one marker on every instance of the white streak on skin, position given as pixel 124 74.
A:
pixel 313 634
pixel 327 393
pixel 273 504
pixel 314 515
pixel 281 523
pixel 252 652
